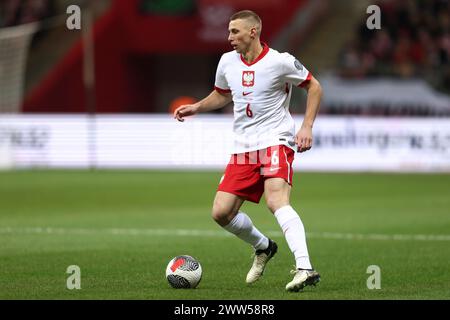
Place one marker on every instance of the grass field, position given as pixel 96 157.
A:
pixel 122 228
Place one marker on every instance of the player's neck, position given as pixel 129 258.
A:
pixel 253 52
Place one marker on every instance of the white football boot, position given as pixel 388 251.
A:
pixel 260 261
pixel 302 278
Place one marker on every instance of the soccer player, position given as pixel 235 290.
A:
pixel 259 80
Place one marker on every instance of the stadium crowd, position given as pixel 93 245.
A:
pixel 414 41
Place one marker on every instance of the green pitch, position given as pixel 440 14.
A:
pixel 122 228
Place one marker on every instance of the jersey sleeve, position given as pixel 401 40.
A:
pixel 293 71
pixel 221 84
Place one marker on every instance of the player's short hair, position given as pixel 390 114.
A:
pixel 251 16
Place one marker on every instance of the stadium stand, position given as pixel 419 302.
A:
pixel 400 70
pixel 414 42
pixel 135 63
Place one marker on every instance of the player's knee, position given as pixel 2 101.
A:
pixel 272 204
pixel 275 202
pixel 216 214
pixel 220 214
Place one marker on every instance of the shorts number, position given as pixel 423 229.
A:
pixel 275 160
pixel 249 111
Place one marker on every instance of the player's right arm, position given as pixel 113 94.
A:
pixel 214 101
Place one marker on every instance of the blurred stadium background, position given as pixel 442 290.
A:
pixel 80 98
pixel 96 102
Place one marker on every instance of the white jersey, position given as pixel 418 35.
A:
pixel 261 94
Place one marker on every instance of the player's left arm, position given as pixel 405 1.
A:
pixel 304 137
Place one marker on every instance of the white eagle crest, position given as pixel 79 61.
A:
pixel 248 78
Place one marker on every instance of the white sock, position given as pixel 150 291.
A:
pixel 242 226
pixel 294 232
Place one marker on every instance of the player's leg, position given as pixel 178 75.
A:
pixel 227 214
pixel 277 193
pixel 243 181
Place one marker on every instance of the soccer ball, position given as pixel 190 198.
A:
pixel 184 272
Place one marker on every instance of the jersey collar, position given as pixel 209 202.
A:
pixel 261 55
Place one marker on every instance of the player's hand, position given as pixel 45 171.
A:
pixel 184 111
pixel 303 139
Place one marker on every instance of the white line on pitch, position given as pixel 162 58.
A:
pixel 218 233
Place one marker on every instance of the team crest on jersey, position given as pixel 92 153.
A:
pixel 248 78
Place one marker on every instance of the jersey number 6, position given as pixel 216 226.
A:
pixel 249 111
